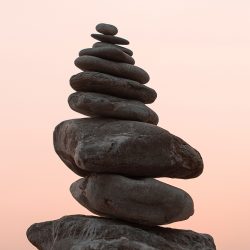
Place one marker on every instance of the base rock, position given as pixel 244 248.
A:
pixel 79 232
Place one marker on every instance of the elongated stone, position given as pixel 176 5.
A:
pixel 100 44
pixel 110 39
pixel 101 105
pixel 124 70
pixel 128 148
pixel 79 232
pixel 143 201
pixel 112 85
pixel 106 29
pixel 109 53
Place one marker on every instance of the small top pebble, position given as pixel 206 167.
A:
pixel 106 29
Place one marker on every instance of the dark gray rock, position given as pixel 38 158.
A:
pixel 124 147
pixel 109 53
pixel 110 39
pixel 124 70
pixel 112 85
pixel 100 44
pixel 144 201
pixel 121 244
pixel 101 105
pixel 79 232
pixel 106 29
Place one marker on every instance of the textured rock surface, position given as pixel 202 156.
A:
pixel 100 44
pixel 110 39
pixel 78 232
pixel 125 70
pixel 101 105
pixel 144 201
pixel 124 147
pixel 108 53
pixel 112 85
pixel 106 29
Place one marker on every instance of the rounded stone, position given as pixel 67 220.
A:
pixel 100 44
pixel 110 39
pixel 107 84
pixel 123 147
pixel 144 201
pixel 108 53
pixel 106 29
pixel 101 105
pixel 124 70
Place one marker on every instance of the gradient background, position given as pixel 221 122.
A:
pixel 197 53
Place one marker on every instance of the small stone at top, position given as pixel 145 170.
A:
pixel 106 29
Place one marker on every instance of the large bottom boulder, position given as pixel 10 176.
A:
pixel 79 232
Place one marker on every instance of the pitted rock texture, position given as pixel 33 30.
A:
pixel 144 201
pixel 108 53
pixel 101 44
pixel 106 29
pixel 112 85
pixel 78 232
pixel 101 105
pixel 124 70
pixel 124 147
pixel 110 39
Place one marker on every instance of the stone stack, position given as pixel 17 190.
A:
pixel 119 151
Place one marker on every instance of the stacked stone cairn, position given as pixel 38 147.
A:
pixel 119 151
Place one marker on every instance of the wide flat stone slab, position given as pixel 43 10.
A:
pixel 101 105
pixel 101 44
pixel 112 85
pixel 124 147
pixel 124 70
pixel 79 232
pixel 108 53
pixel 144 201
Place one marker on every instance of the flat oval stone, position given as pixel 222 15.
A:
pixel 108 53
pixel 106 29
pixel 110 39
pixel 107 84
pixel 143 201
pixel 100 44
pixel 101 105
pixel 124 70
pixel 128 148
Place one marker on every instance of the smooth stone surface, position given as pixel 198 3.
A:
pixel 101 105
pixel 106 29
pixel 108 53
pixel 112 85
pixel 124 147
pixel 79 232
pixel 124 70
pixel 110 39
pixel 144 201
pixel 100 44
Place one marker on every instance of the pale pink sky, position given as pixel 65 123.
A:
pixel 198 56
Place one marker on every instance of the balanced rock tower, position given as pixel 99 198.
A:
pixel 119 151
